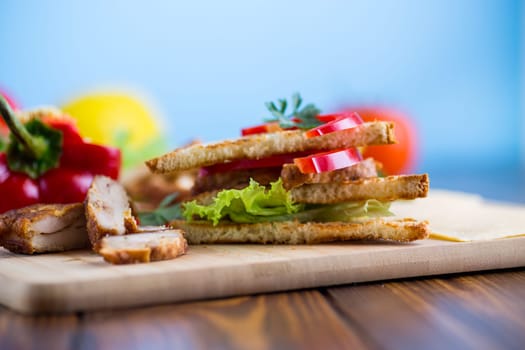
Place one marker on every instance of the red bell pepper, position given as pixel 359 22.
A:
pixel 3 128
pixel 17 190
pixel 47 161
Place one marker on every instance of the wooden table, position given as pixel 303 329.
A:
pixel 478 311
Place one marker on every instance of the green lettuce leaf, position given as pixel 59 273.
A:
pixel 255 204
pixel 347 211
pixel 251 204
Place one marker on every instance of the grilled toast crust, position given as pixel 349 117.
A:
pixel 291 232
pixel 381 188
pixel 265 145
pixel 384 189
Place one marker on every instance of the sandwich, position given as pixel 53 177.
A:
pixel 297 179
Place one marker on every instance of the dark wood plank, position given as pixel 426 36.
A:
pixel 284 320
pixel 302 319
pixel 468 311
pixel 36 332
pixel 482 311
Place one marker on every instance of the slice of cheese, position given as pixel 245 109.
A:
pixel 463 217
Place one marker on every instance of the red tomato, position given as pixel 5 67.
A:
pixel 343 122
pixel 328 161
pixel 399 158
pixel 326 118
pixel 261 129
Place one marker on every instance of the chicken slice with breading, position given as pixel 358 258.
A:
pixel 44 228
pixel 108 211
pixel 143 247
pixel 114 233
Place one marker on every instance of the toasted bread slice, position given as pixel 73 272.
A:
pixel 289 232
pixel 384 189
pixel 265 145
pixel 43 228
pixel 143 247
pixel 381 188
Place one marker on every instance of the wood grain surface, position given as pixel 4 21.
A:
pixel 469 311
pixel 80 280
pixel 475 311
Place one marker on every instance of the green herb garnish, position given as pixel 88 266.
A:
pixel 165 212
pixel 305 118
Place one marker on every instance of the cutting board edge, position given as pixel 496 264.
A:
pixel 33 298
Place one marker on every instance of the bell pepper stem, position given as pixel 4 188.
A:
pixel 34 146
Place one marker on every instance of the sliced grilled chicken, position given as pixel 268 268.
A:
pixel 114 233
pixel 143 247
pixel 43 228
pixel 108 211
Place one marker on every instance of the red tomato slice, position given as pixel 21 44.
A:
pixel 323 118
pixel 273 161
pixel 328 161
pixel 326 118
pixel 345 121
pixel 261 129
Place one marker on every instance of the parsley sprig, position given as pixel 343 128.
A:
pixel 165 212
pixel 304 118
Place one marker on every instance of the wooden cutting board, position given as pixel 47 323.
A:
pixel 81 280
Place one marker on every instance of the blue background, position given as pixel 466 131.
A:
pixel 454 66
